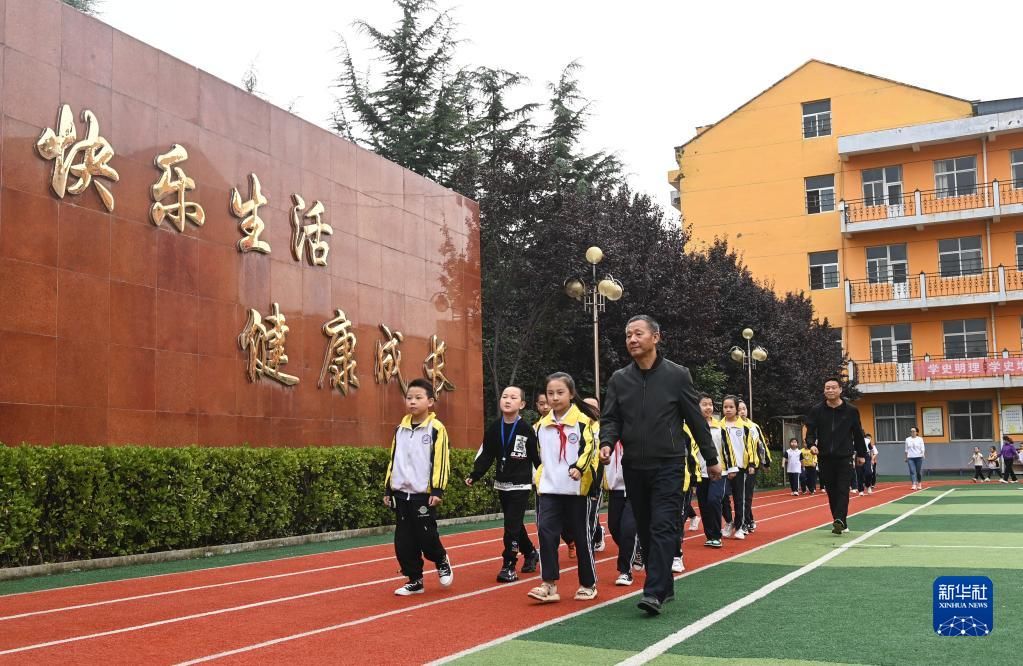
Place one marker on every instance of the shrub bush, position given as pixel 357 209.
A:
pixel 74 502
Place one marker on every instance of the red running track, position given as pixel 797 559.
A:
pixel 336 607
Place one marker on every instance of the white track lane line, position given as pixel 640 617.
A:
pixel 343 625
pixel 198 588
pixel 562 618
pixel 662 646
pixel 211 586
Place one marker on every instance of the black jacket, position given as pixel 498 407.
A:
pixel 516 456
pixel 645 410
pixel 836 431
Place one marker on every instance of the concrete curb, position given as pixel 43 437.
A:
pixel 17 573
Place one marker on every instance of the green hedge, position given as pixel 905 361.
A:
pixel 72 502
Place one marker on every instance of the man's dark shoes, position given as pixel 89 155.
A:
pixel 651 605
pixel 529 565
pixel 838 526
pixel 507 574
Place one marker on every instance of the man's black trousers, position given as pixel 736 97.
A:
pixel 656 498
pixel 415 534
pixel 835 475
pixel 514 504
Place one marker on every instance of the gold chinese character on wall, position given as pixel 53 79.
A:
pixel 308 236
pixel 174 183
pixel 339 360
pixel 387 364
pixel 265 346
pixel 433 366
pixel 251 225
pixel 82 160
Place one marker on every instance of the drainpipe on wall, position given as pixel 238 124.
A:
pixel 990 257
pixel 983 145
pixel 998 396
pixel 994 332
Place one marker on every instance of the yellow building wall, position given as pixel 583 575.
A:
pixel 743 179
pixel 940 399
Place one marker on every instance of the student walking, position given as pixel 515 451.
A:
pixel 568 465
pixel 620 520
pixel 977 460
pixel 835 435
pixel 744 452
pixel 994 458
pixel 689 483
pixel 646 405
pixel 512 444
pixel 794 465
pixel 861 473
pixel 809 459
pixel 1008 458
pixel 710 493
pixel 414 487
pixel 763 462
pixel 872 455
pixel 915 451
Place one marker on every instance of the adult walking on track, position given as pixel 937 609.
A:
pixel 834 434
pixel 646 406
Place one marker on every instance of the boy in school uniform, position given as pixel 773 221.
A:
pixel 414 487
pixel 809 459
pixel 512 443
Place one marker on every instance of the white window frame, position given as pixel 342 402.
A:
pixel 826 275
pixel 817 123
pixel 884 192
pixel 968 339
pixel 891 347
pixel 970 414
pixel 824 197
pixel 1016 168
pixel 887 270
pixel 951 187
pixel 909 419
pixel 964 265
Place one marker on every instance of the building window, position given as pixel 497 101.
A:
pixel 882 186
pixel 820 194
pixel 955 177
pixel 960 256
pixel 891 343
pixel 824 270
pixel 1019 248
pixel 887 263
pixel 817 118
pixel 836 337
pixel 965 338
pixel 970 419
pixel 893 420
pixel 1016 158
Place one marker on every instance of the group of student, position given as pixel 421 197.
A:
pixel 997 461
pixel 558 457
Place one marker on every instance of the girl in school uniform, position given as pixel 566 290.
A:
pixel 568 467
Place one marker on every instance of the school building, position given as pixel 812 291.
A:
pixel 899 210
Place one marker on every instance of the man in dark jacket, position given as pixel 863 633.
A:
pixel 646 405
pixel 834 434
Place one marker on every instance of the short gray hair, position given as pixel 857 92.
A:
pixel 650 321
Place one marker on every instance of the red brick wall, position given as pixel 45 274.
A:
pixel 114 330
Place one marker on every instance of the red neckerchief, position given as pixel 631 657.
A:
pixel 562 437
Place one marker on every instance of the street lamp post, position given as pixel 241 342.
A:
pixel 748 358
pixel 594 297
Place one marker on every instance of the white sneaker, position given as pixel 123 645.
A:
pixel 677 566
pixel 728 530
pixel 444 572
pixel 870 491
pixel 600 545
pixel 855 492
pixel 795 494
pixel 739 534
pixel 694 524
pixel 410 588
pixel 1002 481
pixel 624 579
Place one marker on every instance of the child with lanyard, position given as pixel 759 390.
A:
pixel 512 443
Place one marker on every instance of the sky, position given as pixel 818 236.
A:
pixel 653 70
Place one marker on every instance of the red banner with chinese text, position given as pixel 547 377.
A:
pixel 968 367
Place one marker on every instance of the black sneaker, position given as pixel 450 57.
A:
pixel 837 527
pixel 637 562
pixel 410 588
pixel 650 604
pixel 530 563
pixel 445 574
pixel 507 574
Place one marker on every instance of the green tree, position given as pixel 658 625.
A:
pixel 90 7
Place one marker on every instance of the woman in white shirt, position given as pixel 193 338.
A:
pixel 915 458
